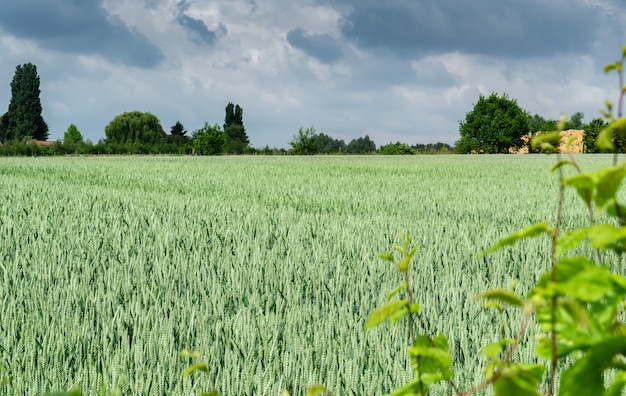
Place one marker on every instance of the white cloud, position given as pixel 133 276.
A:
pixel 416 96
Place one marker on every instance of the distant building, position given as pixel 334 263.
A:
pixel 41 142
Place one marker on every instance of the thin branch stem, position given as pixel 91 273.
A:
pixel 507 359
pixel 553 302
pixel 589 203
pixel 620 101
pixel 409 295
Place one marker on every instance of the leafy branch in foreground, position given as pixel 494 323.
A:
pixel 578 304
pixel 429 356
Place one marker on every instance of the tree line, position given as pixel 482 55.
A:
pixel 496 124
pixel 23 131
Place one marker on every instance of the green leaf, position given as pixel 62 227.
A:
pixel 495 305
pixel 583 183
pixel 608 68
pixel 212 393
pixel 503 296
pixel 403 265
pixel 518 381
pixel 383 312
pixel 315 390
pixel 547 147
pixel 388 256
pixel 399 314
pixel 398 248
pixel 551 138
pixel 413 308
pixel 412 388
pixel 605 236
pixel 586 376
pixel 570 240
pixel 591 285
pixel 616 128
pixel 559 165
pixel 431 359
pixel 395 291
pixel 528 232
pixel 72 392
pixel 569 267
pixel 604 141
pixel 608 183
pixel 543 346
pixel 492 350
pixel 195 367
pixel 491 367
pixel 531 371
pixel 615 209
pixel 617 388
pixel 579 316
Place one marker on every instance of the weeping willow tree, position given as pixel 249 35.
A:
pixel 135 127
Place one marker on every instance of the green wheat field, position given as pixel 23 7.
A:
pixel 268 266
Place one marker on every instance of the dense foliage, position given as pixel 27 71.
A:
pixel 396 149
pixel 304 142
pixel 592 130
pixel 575 121
pixel 72 135
pixel 362 145
pixel 495 125
pixel 140 133
pixel 328 145
pixel 178 131
pixel 537 123
pixel 135 127
pixel 209 140
pixel 433 148
pixel 23 118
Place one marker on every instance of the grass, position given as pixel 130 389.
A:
pixel 267 265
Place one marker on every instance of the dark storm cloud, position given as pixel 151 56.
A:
pixel 78 26
pixel 511 28
pixel 198 30
pixel 322 47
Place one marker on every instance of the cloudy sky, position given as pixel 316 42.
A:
pixel 404 70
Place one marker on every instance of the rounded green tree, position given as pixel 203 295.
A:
pixel 495 125
pixel 304 142
pixel 209 140
pixel 135 127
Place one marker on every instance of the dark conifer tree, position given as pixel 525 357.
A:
pixel 24 116
pixel 4 126
pixel 178 130
pixel 234 129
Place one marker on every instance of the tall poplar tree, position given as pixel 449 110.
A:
pixel 4 126
pixel 24 116
pixel 237 140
